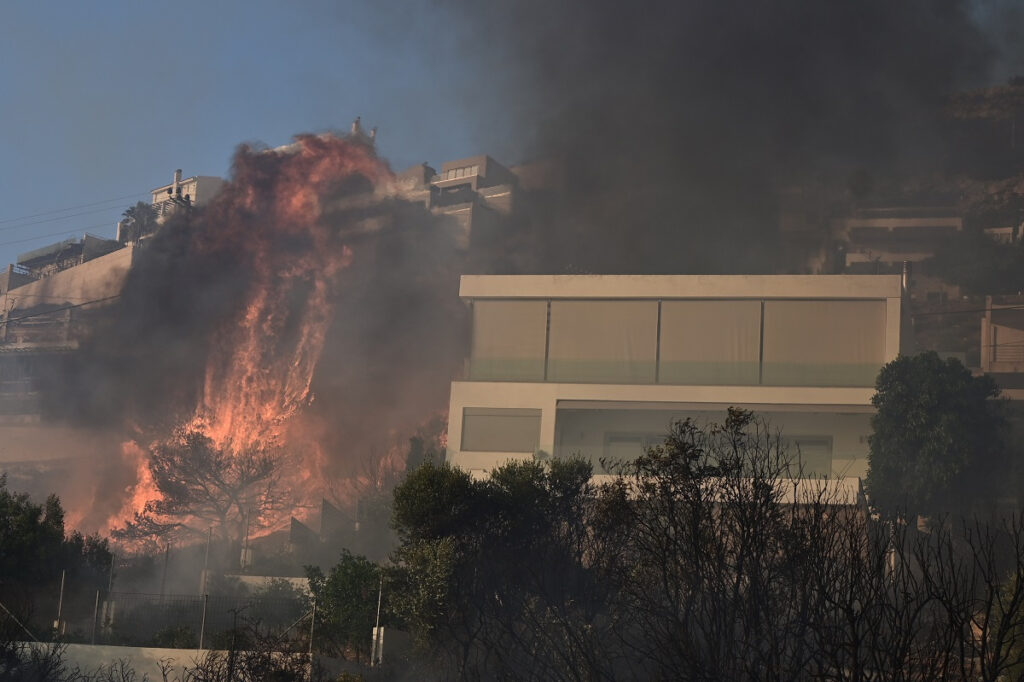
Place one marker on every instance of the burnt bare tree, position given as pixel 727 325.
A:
pixel 202 486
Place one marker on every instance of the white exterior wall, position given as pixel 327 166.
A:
pixel 840 413
pixel 547 397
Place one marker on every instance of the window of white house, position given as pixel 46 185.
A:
pixel 508 340
pixel 603 341
pixel 710 342
pixel 500 429
pixel 823 343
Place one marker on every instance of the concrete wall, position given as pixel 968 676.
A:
pixel 99 278
pixel 9 279
pixel 547 397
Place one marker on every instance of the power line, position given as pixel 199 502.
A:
pixel 72 208
pixel 971 310
pixel 63 308
pixel 58 218
pixel 54 234
pixel 20 624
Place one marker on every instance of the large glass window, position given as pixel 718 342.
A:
pixel 823 343
pixel 500 429
pixel 508 340
pixel 710 342
pixel 603 341
pixel 604 436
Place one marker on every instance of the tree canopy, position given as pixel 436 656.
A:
pixel 139 220
pixel 346 599
pixel 702 559
pixel 202 486
pixel 34 551
pixel 938 442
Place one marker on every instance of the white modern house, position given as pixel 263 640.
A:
pixel 599 366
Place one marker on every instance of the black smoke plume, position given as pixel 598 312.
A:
pixel 679 122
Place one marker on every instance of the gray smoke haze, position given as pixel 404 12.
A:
pixel 678 122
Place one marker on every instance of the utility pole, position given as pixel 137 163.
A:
pixel 376 655
pixel 95 616
pixel 312 624
pixel 60 603
pixel 206 564
pixel 163 578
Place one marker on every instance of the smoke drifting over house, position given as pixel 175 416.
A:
pixel 678 122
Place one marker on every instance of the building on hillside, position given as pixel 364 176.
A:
pixel 472 194
pixel 193 191
pixel 879 240
pixel 1002 343
pixel 43 319
pixel 53 258
pixel 600 366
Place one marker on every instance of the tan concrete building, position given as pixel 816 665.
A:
pixel 42 321
pixel 879 240
pixel 472 194
pixel 194 191
pixel 600 366
pixel 1002 343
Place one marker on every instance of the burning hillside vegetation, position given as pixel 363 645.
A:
pixel 307 312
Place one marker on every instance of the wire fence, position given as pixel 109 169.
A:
pixel 186 621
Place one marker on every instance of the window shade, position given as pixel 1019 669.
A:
pixel 606 341
pixel 500 429
pixel 508 340
pixel 710 342
pixel 823 343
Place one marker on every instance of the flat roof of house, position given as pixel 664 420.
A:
pixel 681 286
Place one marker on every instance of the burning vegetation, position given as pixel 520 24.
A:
pixel 307 277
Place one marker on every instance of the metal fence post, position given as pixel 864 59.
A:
pixel 95 615
pixel 202 624
pixel 60 603
pixel 312 623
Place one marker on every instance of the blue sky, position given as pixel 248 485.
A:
pixel 102 101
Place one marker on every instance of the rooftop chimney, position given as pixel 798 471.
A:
pixel 176 185
pixel 907 271
pixel 355 126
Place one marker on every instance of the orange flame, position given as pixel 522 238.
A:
pixel 261 361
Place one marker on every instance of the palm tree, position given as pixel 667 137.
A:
pixel 139 221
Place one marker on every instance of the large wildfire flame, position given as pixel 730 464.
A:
pixel 260 364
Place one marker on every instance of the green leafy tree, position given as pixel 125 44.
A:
pixel 34 551
pixel 938 442
pixel 346 602
pixel 139 220
pixel 31 537
pixel 485 566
